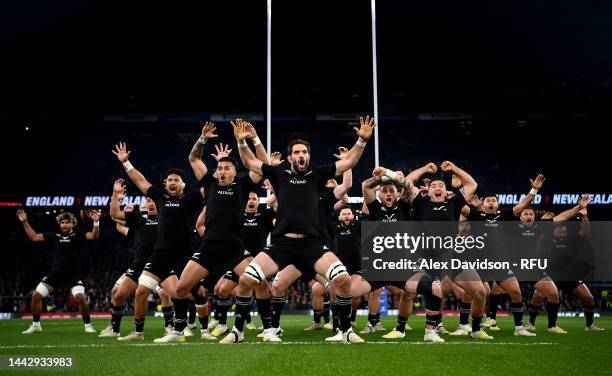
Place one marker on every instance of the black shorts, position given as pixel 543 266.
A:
pixel 375 285
pixel 135 270
pixel 568 286
pixel 166 262
pixel 231 276
pixel 63 278
pixel 351 260
pixel 212 255
pixel 302 253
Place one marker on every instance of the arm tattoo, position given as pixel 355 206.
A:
pixel 197 150
pixel 403 182
pixel 372 182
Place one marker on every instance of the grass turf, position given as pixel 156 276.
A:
pixel 306 353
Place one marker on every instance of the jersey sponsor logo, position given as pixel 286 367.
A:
pixel 297 181
pixel 169 204
pixel 389 218
pixel 440 208
pixel 250 222
pixel 346 232
pixel 227 193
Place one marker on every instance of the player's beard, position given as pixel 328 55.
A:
pixel 296 165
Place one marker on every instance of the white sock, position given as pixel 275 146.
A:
pixel 36 323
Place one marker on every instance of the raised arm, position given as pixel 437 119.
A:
pixel 369 188
pixel 570 213
pixel 32 235
pixel 468 182
pixel 347 177
pixel 585 225
pixel 344 200
pixel 246 155
pixel 135 176
pixel 122 229
pixel 528 199
pixel 195 155
pixel 95 231
pixel 364 132
pixel 415 175
pixel 117 196
pixel 200 228
pixel 260 150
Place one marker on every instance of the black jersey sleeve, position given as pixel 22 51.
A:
pixel 207 180
pixel 325 173
pixel 131 219
pixel 507 215
pixel 155 194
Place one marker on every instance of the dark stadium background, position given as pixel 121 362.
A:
pixel 503 90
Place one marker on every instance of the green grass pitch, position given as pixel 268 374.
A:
pixel 306 353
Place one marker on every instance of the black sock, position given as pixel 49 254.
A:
pixel 534 311
pixel 517 313
pixel 493 303
pixel 476 323
pixel 589 312
pixel 243 306
pixel 334 312
pixel 316 316
pixel 464 313
pixel 36 317
pixel 265 312
pixel 168 315
pixel 326 308
pixel 401 324
pixel 431 320
pixel 223 305
pixel 139 324
pixel 353 315
pixel 438 319
pixel 203 321
pixel 372 320
pixel 214 307
pixel 116 316
pixel 248 317
pixel 343 303
pixel 278 302
pixel 181 306
pixel 192 313
pixel 377 317
pixel 552 309
pixel 86 319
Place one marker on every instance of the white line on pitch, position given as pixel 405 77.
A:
pixel 97 345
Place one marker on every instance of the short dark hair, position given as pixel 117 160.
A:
pixel 528 208
pixel 488 194
pixel 228 159
pixel 388 182
pixel 297 141
pixel 176 171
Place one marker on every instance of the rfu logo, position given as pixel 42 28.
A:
pixel 297 181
